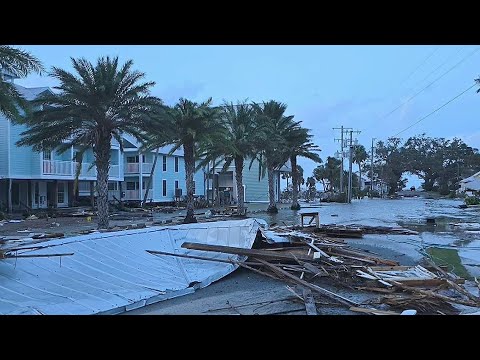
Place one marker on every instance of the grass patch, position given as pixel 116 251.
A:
pixel 449 257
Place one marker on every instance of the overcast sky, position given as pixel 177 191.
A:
pixel 324 86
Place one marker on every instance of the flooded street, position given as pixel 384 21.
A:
pixel 453 239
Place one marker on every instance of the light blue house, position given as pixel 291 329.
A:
pixel 37 180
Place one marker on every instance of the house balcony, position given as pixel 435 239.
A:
pixel 135 194
pixel 88 170
pixel 134 168
pixel 57 167
pixel 68 168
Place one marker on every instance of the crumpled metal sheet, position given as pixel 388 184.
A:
pixel 112 272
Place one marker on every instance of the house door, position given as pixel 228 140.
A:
pixel 39 195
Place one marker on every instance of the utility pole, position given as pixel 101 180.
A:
pixel 371 171
pixel 342 146
pixel 350 165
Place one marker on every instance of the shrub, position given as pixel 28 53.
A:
pixel 472 201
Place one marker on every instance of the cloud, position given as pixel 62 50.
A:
pixel 172 93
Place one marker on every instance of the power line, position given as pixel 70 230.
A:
pixel 434 111
pixel 419 66
pixel 434 81
pixel 439 66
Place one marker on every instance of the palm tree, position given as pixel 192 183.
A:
pixel 299 144
pixel 359 157
pixel 94 104
pixel 301 179
pixel 17 63
pixel 270 143
pixel 190 125
pixel 237 144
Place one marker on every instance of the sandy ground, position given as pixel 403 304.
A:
pixel 243 293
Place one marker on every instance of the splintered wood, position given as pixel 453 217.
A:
pixel 329 270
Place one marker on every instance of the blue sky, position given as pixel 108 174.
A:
pixel 324 86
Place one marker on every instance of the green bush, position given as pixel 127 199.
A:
pixel 2 216
pixel 472 201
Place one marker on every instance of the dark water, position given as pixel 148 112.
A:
pixel 455 234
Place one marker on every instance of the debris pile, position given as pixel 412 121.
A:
pixel 327 269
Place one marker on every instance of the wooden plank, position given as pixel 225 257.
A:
pixel 35 256
pixel 313 269
pixel 390 268
pixel 373 311
pixel 423 282
pixel 154 252
pixel 313 287
pixel 309 302
pixel 435 295
pixel 243 251
pixel 376 289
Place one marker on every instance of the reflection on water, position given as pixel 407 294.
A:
pixel 454 228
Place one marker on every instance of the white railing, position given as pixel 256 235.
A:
pixel 86 171
pixel 134 194
pixel 134 168
pixel 57 167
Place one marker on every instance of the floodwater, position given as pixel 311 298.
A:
pixel 453 239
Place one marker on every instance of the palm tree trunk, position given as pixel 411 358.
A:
pixel 102 160
pixel 272 206
pixel 150 178
pixel 239 179
pixel 189 171
pixel 295 204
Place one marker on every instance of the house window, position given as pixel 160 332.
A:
pixel 194 191
pixel 132 159
pixel 164 187
pixel 131 185
pixel 164 163
pixel 176 163
pixel 176 184
pixel 143 158
pixel 60 193
pixel 112 186
pixel 47 155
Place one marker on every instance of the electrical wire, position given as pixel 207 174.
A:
pixel 430 84
pixel 434 111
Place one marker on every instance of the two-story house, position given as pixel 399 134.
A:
pixel 30 179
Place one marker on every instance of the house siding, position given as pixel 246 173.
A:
pixel 24 161
pixel 3 146
pixel 255 190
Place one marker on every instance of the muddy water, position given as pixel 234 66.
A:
pixel 453 239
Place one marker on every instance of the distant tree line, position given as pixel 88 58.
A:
pixel 439 162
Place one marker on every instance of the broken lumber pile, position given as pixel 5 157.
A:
pixel 356 231
pixel 326 270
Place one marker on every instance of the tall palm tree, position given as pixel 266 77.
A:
pixel 359 157
pixel 270 143
pixel 189 125
pixel 17 63
pixel 299 144
pixel 95 104
pixel 237 144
